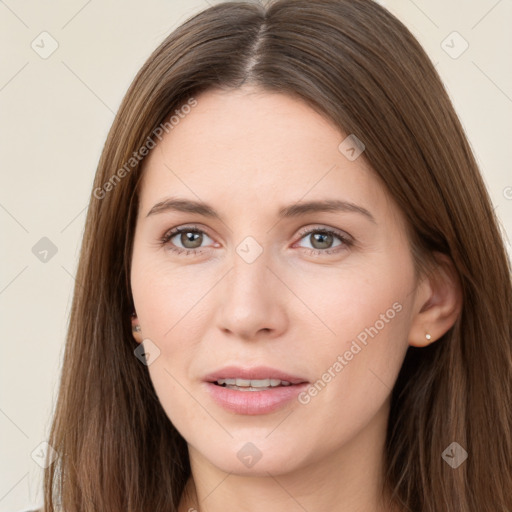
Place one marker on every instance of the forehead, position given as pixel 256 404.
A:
pixel 247 125
pixel 250 147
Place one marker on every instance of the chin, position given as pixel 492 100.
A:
pixel 255 455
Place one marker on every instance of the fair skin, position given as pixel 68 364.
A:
pixel 249 153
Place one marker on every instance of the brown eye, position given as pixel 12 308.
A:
pixel 190 239
pixel 185 239
pixel 322 241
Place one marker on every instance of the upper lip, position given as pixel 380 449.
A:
pixel 253 373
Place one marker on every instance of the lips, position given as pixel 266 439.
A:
pixel 252 384
pixel 246 375
pixel 251 391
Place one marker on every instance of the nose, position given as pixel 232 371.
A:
pixel 252 300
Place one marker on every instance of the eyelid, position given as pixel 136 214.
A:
pixel 319 227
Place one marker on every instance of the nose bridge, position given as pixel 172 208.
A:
pixel 249 272
pixel 250 301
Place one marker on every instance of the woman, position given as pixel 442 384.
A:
pixel 292 291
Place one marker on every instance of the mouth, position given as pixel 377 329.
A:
pixel 252 384
pixel 260 390
pixel 255 378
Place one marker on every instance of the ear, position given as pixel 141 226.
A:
pixel 136 330
pixel 438 303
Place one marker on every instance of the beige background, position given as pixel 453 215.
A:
pixel 54 117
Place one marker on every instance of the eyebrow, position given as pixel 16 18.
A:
pixel 293 210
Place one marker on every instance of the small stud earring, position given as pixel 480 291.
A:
pixel 428 336
pixel 136 328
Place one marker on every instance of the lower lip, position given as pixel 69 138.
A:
pixel 254 402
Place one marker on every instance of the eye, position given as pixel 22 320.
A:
pixel 190 238
pixel 322 239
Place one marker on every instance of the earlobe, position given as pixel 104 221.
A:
pixel 438 304
pixel 136 329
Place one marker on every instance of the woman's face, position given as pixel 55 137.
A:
pixel 258 286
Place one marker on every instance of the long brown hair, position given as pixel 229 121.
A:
pixel 359 66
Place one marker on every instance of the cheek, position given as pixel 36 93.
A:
pixel 166 301
pixel 365 301
pixel 356 362
pixel 171 303
pixel 167 295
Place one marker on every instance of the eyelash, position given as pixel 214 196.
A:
pixel 346 241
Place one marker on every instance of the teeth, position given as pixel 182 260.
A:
pixel 253 383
